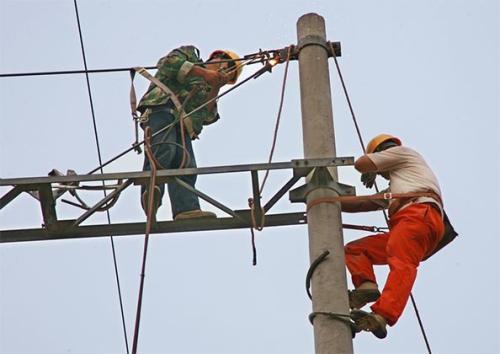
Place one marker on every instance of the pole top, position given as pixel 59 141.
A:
pixel 311 24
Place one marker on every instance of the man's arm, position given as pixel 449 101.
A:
pixel 214 78
pixel 364 164
pixel 355 206
pixel 368 169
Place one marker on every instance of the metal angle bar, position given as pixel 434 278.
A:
pixel 256 191
pixel 10 196
pixel 48 205
pixel 104 230
pixel 103 201
pixel 206 197
pixel 142 177
pixel 281 192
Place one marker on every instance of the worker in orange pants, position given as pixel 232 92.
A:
pixel 415 230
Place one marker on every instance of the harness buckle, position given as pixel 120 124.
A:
pixel 388 196
pixel 144 117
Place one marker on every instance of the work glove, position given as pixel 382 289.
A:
pixel 368 179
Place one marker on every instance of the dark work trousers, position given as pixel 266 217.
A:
pixel 167 149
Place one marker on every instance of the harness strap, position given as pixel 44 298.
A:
pixel 170 94
pixel 380 196
pixel 133 110
pixel 133 96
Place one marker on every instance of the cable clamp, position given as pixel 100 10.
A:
pixel 380 229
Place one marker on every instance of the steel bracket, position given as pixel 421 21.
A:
pixel 307 41
pixel 321 178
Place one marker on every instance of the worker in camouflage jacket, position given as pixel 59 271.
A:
pixel 194 83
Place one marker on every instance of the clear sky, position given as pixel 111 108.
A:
pixel 427 71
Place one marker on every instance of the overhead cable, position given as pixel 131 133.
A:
pixel 96 135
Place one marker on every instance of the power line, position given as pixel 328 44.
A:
pixel 250 57
pixel 71 72
pixel 94 123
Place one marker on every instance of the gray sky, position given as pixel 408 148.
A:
pixel 426 71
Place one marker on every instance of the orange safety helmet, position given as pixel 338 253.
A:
pixel 236 67
pixel 379 139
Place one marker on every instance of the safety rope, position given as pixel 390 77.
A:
pixel 101 169
pixel 422 329
pixel 150 214
pixel 251 203
pixel 256 226
pixel 278 118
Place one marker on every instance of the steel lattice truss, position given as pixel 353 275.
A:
pixel 48 189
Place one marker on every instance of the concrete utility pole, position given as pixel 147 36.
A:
pixel 329 283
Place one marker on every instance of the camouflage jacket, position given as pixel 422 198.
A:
pixel 173 70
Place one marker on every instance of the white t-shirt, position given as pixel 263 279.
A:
pixel 408 172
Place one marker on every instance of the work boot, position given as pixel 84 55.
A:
pixel 363 294
pixel 370 322
pixel 156 202
pixel 193 214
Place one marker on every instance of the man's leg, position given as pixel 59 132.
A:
pixel 415 231
pixel 362 254
pixel 163 151
pixel 181 199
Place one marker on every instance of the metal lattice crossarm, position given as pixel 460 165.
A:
pixel 48 188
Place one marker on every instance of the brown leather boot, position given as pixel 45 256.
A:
pixel 193 214
pixel 370 322
pixel 365 293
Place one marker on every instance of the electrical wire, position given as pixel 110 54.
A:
pixel 96 135
pixel 358 131
pixel 252 59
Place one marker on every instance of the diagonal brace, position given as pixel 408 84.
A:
pixel 10 196
pixel 206 197
pixel 275 198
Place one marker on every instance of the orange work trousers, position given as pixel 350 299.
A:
pixel 414 232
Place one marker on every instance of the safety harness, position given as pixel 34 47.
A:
pixel 403 199
pixel 170 94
